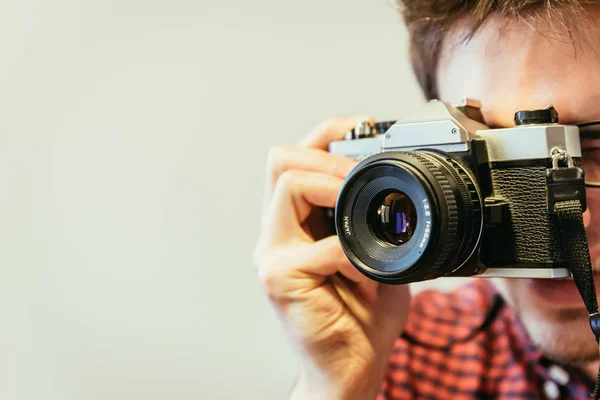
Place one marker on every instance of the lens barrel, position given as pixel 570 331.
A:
pixel 409 216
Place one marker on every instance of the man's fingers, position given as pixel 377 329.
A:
pixel 332 260
pixel 330 130
pixel 285 158
pixel 296 192
pixel 289 269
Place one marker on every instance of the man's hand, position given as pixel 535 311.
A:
pixel 343 324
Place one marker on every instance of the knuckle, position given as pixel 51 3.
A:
pixel 341 331
pixel 289 178
pixel 270 280
pixel 337 330
pixel 269 272
pixel 276 158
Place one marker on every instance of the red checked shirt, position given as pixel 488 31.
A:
pixel 469 345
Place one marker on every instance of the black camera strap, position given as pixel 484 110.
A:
pixel 574 241
pixel 567 201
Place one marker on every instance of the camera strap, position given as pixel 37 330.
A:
pixel 567 201
pixel 574 242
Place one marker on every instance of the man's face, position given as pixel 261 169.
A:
pixel 509 67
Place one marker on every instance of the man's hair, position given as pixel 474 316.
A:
pixel 429 21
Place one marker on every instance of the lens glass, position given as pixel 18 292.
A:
pixel 393 217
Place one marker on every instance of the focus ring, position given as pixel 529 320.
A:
pixel 451 213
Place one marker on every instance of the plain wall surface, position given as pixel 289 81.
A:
pixel 133 143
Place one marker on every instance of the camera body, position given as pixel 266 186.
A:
pixel 441 194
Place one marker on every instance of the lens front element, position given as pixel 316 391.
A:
pixel 393 218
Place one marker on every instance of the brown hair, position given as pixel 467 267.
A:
pixel 428 22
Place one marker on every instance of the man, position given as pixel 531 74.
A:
pixel 351 333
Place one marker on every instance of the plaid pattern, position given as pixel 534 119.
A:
pixel 433 361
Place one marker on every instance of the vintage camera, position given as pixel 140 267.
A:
pixel 441 194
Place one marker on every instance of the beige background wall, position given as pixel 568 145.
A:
pixel 133 136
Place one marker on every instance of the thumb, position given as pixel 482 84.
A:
pixel 391 312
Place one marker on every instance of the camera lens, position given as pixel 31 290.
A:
pixel 409 216
pixel 393 218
